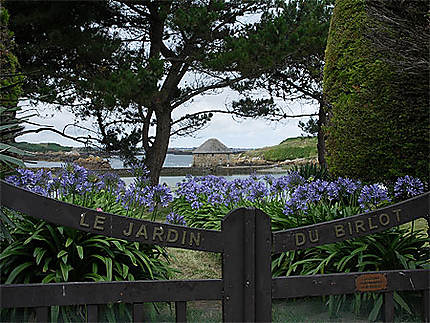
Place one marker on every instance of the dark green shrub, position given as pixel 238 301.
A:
pixel 311 170
pixel 379 124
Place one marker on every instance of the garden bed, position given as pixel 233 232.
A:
pixel 306 195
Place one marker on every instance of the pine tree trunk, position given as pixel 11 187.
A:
pixel 156 155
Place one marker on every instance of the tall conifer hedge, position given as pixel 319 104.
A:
pixel 378 122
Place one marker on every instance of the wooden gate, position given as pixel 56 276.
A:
pixel 246 243
pixel 348 283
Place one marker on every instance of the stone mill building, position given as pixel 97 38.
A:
pixel 211 153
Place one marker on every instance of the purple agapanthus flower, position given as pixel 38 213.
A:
pixel 317 190
pixel 348 186
pixel 298 201
pixel 173 218
pixel 156 195
pixel 141 173
pixel 407 187
pixel 74 179
pixel 284 185
pixel 111 182
pixel 39 182
pixel 131 197
pixel 372 196
pixel 257 191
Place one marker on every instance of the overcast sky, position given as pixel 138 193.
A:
pixel 241 133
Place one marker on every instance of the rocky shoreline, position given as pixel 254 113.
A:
pixel 194 171
pixel 239 164
pixel 202 171
pixel 63 156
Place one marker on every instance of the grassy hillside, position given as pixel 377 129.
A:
pixel 42 147
pixel 291 148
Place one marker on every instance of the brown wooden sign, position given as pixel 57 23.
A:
pixel 107 224
pixel 352 227
pixel 371 282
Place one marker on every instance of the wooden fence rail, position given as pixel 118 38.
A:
pixel 349 283
pixel 42 296
pixel 385 282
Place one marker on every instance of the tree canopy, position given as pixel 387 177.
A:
pixel 131 64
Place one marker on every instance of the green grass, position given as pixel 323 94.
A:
pixel 291 148
pixel 191 264
pixel 295 310
pixel 197 311
pixel 42 147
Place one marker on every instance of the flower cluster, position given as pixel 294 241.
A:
pixel 111 182
pixel 219 191
pixel 157 195
pixel 202 189
pixel 75 181
pixel 139 170
pixel 407 187
pixel 39 182
pixel 173 218
pixel 320 191
pixel 72 179
pixel 151 197
pixel 256 190
pixel 373 196
pixel 297 202
pixel 287 183
pixel 292 191
pixel 252 190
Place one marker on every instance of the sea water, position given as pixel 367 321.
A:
pixel 117 163
pixel 171 161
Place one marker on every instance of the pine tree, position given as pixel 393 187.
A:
pixel 130 65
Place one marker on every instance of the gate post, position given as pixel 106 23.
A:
pixel 247 275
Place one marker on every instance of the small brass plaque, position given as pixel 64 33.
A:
pixel 370 282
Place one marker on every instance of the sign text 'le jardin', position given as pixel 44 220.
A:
pixel 143 232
